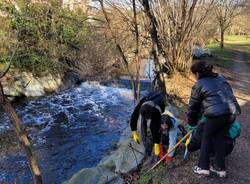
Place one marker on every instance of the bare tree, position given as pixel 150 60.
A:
pixel 157 50
pixel 179 22
pixel 137 48
pixel 124 30
pixel 118 46
pixel 240 24
pixel 165 27
pixel 226 11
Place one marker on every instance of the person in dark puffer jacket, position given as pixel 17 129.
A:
pixel 213 98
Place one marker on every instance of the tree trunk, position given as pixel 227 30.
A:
pixel 222 38
pixel 156 46
pixel 22 136
pixel 137 57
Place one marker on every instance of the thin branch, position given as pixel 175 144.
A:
pixel 10 63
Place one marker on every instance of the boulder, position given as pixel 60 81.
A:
pixel 26 84
pixel 50 83
pixel 70 79
pixel 31 86
pixel 96 175
pixel 126 158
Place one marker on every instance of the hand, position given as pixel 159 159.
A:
pixel 136 137
pixel 168 158
pixel 190 128
pixel 156 149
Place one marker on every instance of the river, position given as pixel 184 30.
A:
pixel 69 130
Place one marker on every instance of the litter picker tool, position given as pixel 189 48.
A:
pixel 185 157
pixel 177 144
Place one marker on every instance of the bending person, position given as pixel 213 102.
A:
pixel 212 97
pixel 149 108
pixel 170 131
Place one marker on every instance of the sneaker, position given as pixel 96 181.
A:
pixel 219 172
pixel 200 171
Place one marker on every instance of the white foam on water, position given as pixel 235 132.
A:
pixel 90 97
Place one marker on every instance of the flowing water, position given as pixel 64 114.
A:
pixel 69 130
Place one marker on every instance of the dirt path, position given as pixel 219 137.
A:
pixel 238 163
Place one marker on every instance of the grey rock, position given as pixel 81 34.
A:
pixel 95 175
pixel 26 84
pixel 126 158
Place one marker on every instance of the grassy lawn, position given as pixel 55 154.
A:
pixel 224 57
pixel 241 44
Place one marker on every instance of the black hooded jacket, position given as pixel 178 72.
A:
pixel 158 101
pixel 211 96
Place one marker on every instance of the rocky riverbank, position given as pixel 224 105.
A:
pixel 25 84
pixel 126 158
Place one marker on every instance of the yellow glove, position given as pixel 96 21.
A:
pixel 136 137
pixel 188 140
pixel 157 149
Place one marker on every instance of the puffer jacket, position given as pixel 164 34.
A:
pixel 211 96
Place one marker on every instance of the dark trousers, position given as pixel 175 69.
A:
pixel 214 134
pixel 150 135
pixel 154 130
pixel 195 143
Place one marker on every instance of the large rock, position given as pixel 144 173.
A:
pixel 70 79
pixel 50 83
pixel 126 158
pixel 26 84
pixel 31 87
pixel 95 175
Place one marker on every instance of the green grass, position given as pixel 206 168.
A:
pixel 152 177
pixel 237 39
pixel 225 57
pixel 241 44
pixel 222 57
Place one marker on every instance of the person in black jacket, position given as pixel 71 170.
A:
pixel 150 109
pixel 212 97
